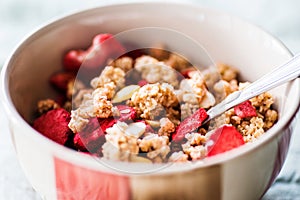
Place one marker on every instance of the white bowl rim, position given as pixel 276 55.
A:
pixel 65 152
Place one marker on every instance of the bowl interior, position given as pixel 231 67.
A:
pixel 225 38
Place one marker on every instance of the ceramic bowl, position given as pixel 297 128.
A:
pixel 57 172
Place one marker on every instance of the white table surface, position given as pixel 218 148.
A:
pixel 18 17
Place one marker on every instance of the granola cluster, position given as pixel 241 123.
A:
pixel 110 75
pixel 154 100
pixel 154 71
pixel 97 102
pixel 155 118
pixel 193 94
pixel 194 147
pixel 125 63
pixel 119 144
pixel 44 106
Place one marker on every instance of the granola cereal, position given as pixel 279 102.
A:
pixel 178 157
pixel 157 118
pixel 177 62
pixel 159 52
pixel 194 147
pixel 119 145
pixel 154 71
pixel 151 100
pixel 102 106
pixel 78 98
pixel 227 72
pixel 124 63
pixel 108 75
pixel 156 146
pixel 193 94
pixel 144 60
pixel 46 105
pixel 166 127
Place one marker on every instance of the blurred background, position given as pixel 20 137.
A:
pixel 18 18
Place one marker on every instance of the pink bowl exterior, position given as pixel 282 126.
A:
pixel 59 173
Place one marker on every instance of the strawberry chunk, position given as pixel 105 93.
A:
pixel 245 110
pixel 225 138
pixel 78 143
pixel 54 125
pixel 93 135
pixel 142 83
pixel 186 73
pixel 73 60
pixel 60 80
pixel 189 124
pixel 90 143
pixel 106 123
pixel 126 113
pixel 104 46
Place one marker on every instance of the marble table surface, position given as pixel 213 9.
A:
pixel 19 17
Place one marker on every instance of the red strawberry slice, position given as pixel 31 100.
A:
pixel 126 113
pixel 189 124
pixel 142 83
pixel 60 80
pixel 54 125
pixel 106 123
pixel 78 143
pixel 92 125
pixel 245 110
pixel 93 135
pixel 89 141
pixel 186 73
pixel 104 46
pixel 225 138
pixel 73 60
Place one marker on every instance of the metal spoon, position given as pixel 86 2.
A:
pixel 281 74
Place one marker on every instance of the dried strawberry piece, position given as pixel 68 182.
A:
pixel 60 80
pixel 54 125
pixel 104 46
pixel 95 124
pixel 93 135
pixel 225 138
pixel 92 125
pixel 73 60
pixel 189 124
pixel 78 143
pixel 186 73
pixel 126 113
pixel 245 110
pixel 91 142
pixel 107 123
pixel 142 83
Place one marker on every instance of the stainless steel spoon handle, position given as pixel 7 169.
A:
pixel 281 74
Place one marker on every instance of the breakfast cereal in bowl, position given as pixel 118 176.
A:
pixel 147 105
pixel 127 119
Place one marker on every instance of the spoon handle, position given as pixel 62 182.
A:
pixel 281 74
